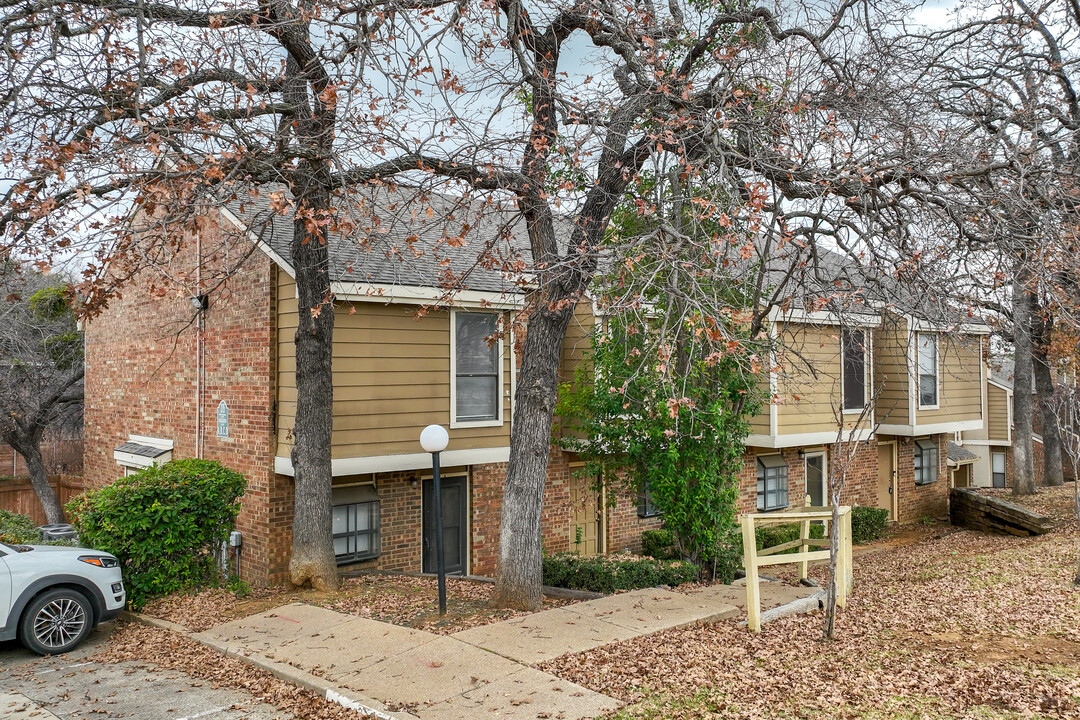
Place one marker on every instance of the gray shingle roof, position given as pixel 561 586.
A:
pixel 960 455
pixel 408 238
pixel 134 448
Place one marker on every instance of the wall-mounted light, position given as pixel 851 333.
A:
pixel 200 302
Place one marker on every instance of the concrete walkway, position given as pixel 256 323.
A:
pixel 404 673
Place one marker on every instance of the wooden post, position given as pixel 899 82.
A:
pixel 753 599
pixel 842 559
pixel 804 535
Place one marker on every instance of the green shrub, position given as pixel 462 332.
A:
pixel 16 529
pixel 163 523
pixel 770 535
pixel 868 524
pixel 659 544
pixel 608 573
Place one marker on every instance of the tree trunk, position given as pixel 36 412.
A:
pixel 834 554
pixel 519 575
pixel 1053 472
pixel 312 559
pixel 31 453
pixel 1023 405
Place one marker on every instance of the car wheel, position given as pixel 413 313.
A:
pixel 56 621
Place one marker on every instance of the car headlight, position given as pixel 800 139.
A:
pixel 104 562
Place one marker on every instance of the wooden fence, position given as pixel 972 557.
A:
pixel 18 495
pixel 754 559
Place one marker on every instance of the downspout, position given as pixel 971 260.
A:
pixel 199 346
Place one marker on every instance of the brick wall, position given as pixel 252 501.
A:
pixel 624 526
pixel 141 379
pixel 860 485
pixel 921 501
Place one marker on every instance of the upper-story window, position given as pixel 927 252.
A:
pixel 476 357
pixel 853 348
pixel 927 344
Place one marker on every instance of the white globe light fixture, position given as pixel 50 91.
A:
pixel 434 438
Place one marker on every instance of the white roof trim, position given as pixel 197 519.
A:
pixel 800 439
pixel 825 317
pixel 931 429
pixel 397 463
pixel 265 247
pixel 417 295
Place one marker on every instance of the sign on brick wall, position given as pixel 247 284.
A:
pixel 222 420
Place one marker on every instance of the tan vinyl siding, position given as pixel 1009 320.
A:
pixel 809 384
pixel 891 374
pixel 391 378
pixel 578 341
pixel 959 381
pixel 997 413
pixel 759 424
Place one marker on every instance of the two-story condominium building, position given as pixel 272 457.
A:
pixel 208 370
pixel 892 388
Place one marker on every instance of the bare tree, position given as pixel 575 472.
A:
pixel 41 369
pixel 1066 406
pixel 554 107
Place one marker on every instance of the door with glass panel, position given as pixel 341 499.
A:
pixel 817 484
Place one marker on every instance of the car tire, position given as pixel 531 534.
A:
pixel 56 621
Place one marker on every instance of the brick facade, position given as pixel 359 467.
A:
pixel 141 379
pixel 861 483
pixel 921 501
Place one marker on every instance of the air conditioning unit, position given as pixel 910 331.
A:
pixel 57 531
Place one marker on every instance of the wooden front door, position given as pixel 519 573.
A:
pixel 585 517
pixel 887 479
pixel 455 507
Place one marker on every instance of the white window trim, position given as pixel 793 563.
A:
pixel 824 455
pixel 867 370
pixel 500 399
pixel 937 371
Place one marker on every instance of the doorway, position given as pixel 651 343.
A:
pixel 887 478
pixel 586 519
pixel 455 507
pixel 817 481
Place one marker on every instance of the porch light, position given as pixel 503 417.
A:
pixel 434 440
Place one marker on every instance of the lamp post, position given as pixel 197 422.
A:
pixel 434 440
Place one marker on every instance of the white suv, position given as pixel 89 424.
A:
pixel 52 596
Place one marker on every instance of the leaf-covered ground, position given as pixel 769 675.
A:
pixel 954 624
pixel 398 599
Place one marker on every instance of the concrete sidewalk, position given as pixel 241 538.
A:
pixel 399 672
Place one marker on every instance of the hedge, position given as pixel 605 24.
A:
pixel 163 523
pixel 16 529
pixel 607 573
pixel 868 524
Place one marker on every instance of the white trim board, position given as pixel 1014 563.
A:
pixel 397 463
pixel 799 439
pixel 934 429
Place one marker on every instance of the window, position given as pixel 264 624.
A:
pixel 772 482
pixel 997 469
pixel 356 531
pixel 853 348
pixel 477 366
pixel 928 369
pixel 646 507
pixel 926 462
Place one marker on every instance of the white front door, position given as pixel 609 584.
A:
pixel 817 479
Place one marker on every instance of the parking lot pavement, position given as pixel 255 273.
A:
pixel 74 687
